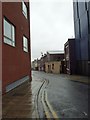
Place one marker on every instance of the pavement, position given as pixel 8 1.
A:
pixel 20 102
pixel 78 78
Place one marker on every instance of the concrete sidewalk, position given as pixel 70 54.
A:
pixel 78 78
pixel 19 103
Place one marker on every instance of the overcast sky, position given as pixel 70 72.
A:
pixel 51 25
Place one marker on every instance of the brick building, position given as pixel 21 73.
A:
pixel 55 55
pixel 70 56
pixel 82 36
pixel 16 52
pixel 0 51
pixel 35 64
pixel 50 61
pixel 53 61
pixel 42 61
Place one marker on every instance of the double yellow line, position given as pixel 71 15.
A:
pixel 45 107
pixel 49 111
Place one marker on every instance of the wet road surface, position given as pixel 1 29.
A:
pixel 47 96
pixel 67 99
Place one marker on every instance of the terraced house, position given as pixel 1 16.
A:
pixel 15 43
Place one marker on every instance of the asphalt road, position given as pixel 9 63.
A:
pixel 67 98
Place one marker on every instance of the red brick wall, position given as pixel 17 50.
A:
pixel 16 63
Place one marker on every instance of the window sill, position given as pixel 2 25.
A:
pixel 25 51
pixel 24 15
pixel 9 45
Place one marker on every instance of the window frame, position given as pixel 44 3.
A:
pixel 23 11
pixel 10 41
pixel 25 48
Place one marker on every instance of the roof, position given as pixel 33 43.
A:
pixel 56 52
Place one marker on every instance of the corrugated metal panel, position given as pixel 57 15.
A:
pixel 81 7
pixel 75 10
pixel 77 35
pixel 84 25
pixel 84 48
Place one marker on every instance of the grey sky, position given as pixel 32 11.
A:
pixel 51 25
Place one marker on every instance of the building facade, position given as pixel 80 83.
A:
pixel 42 61
pixel 70 56
pixel 82 36
pixel 50 62
pixel 55 55
pixel 53 62
pixel 16 52
pixel 53 67
pixel 35 64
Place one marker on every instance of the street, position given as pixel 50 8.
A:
pixel 59 97
pixel 45 59
pixel 48 96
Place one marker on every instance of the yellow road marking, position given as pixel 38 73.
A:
pixel 45 108
pixel 50 107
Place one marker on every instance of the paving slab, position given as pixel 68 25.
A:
pixel 19 103
pixel 14 105
pixel 78 78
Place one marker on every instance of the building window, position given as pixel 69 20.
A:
pixel 24 9
pixel 67 52
pixel 25 44
pixel 52 66
pixel 9 33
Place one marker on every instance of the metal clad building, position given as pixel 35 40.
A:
pixel 82 35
